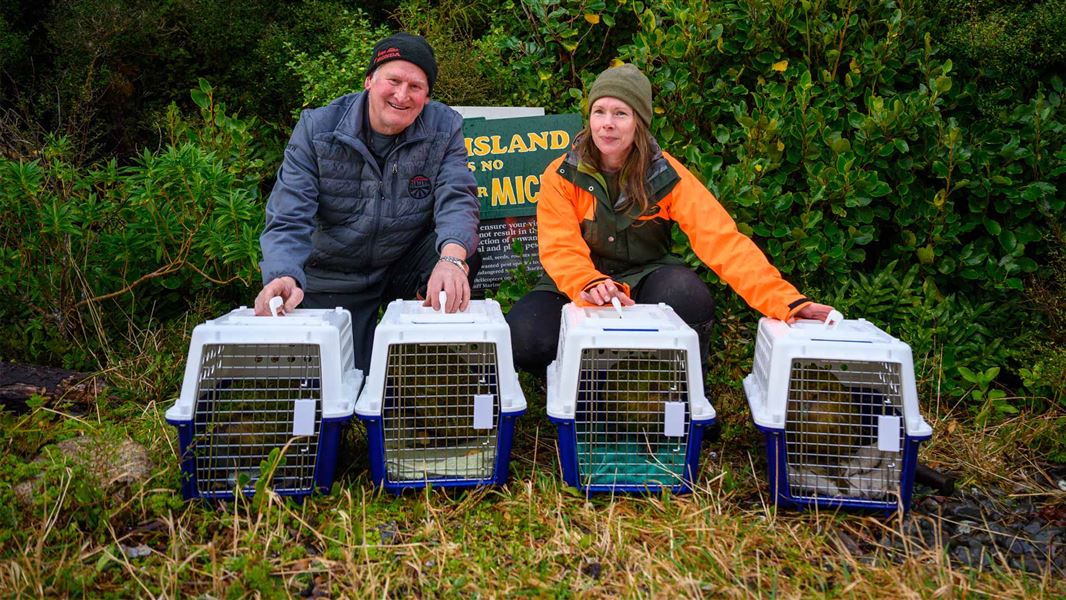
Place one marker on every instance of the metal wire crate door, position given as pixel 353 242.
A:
pixel 432 392
pixel 619 423
pixel 839 413
pixel 247 400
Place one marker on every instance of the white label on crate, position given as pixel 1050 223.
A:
pixel 483 411
pixel 887 433
pixel 303 417
pixel 674 419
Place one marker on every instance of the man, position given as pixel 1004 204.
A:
pixel 374 199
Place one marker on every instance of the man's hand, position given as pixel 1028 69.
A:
pixel 452 279
pixel 602 292
pixel 815 311
pixel 282 286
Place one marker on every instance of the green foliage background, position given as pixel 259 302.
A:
pixel 903 160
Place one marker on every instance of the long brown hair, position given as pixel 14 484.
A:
pixel 634 170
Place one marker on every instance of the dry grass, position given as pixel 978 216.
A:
pixel 534 537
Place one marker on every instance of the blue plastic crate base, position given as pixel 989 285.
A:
pixel 475 462
pixel 307 466
pixel 635 464
pixel 872 480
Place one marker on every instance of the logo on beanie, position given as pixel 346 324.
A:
pixel 419 187
pixel 387 54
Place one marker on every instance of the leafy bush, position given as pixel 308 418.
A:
pixel 549 50
pixel 84 249
pixel 336 71
pixel 103 71
pixel 1006 48
pixel 451 28
pixel 829 133
pixel 12 41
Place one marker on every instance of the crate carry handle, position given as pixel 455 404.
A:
pixel 275 304
pixel 833 319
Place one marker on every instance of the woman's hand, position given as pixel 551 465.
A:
pixel 602 292
pixel 815 311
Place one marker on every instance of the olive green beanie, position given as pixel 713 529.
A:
pixel 629 85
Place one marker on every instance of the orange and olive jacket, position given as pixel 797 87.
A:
pixel 584 241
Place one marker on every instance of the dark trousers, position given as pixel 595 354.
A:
pixel 405 281
pixel 534 320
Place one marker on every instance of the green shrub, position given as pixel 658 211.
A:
pixel 87 249
pixel 336 71
pixel 547 51
pixel 12 41
pixel 463 61
pixel 829 134
pixel 1007 48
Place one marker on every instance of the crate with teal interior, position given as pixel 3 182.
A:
pixel 256 384
pixel 441 398
pixel 839 409
pixel 626 395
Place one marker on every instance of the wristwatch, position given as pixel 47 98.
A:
pixel 455 260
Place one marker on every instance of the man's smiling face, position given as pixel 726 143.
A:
pixel 397 92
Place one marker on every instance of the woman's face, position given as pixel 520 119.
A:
pixel 612 123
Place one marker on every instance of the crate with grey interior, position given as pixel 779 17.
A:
pixel 838 407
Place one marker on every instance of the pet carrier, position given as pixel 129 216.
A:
pixel 253 384
pixel 839 409
pixel 626 393
pixel 442 397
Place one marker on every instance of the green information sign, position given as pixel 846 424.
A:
pixel 507 157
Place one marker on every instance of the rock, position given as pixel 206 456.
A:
pixel 1033 527
pixel 138 551
pixel 116 468
pixel 849 543
pixel 964 556
pixel 389 532
pixel 967 510
pixel 1047 535
pixel 929 505
pixel 1020 546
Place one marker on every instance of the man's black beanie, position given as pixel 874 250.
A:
pixel 405 46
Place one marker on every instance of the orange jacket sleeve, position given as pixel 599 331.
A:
pixel 565 256
pixel 730 254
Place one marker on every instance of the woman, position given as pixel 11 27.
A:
pixel 604 217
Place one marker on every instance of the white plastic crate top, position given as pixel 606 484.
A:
pixel 636 327
pixel 330 329
pixel 778 343
pixel 408 322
